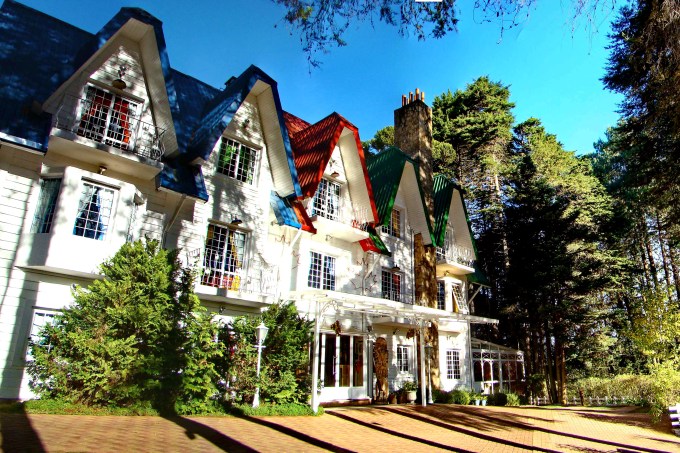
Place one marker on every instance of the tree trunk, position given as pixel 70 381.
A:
pixel 650 256
pixel 664 257
pixel 561 372
pixel 550 354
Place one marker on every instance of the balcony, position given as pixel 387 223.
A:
pixel 455 259
pixel 222 277
pixel 339 220
pixel 105 129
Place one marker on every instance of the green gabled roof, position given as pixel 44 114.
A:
pixel 442 188
pixel 385 171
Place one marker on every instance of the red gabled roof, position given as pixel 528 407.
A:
pixel 294 124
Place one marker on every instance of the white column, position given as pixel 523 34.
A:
pixel 315 361
pixel 423 383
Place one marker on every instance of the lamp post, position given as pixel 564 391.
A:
pixel 428 351
pixel 261 333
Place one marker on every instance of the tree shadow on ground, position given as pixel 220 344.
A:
pixel 220 440
pixel 17 431
pixel 433 416
pixel 296 434
pixel 395 433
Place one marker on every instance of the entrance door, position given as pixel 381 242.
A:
pixel 342 367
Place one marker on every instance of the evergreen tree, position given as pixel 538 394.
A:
pixel 138 336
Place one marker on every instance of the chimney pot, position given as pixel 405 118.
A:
pixel 410 96
pixel 417 94
pixel 403 100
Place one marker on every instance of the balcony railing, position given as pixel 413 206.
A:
pixel 453 253
pixel 112 121
pixel 341 212
pixel 253 277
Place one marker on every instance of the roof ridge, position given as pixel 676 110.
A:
pixel 44 14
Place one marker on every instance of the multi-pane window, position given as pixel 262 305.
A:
pixel 94 211
pixel 321 272
pixel 393 228
pixel 391 285
pixel 237 160
pixel 223 259
pixel 452 364
pixel 41 318
pixel 441 296
pixel 402 359
pixel 47 202
pixel 326 201
pixel 108 118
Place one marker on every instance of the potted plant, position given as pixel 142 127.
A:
pixel 410 389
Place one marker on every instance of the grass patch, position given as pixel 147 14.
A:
pixel 59 407
pixel 266 410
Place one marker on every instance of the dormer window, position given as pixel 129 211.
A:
pixel 108 118
pixel 326 201
pixel 237 160
pixel 393 228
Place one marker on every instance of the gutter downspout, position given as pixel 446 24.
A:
pixel 173 218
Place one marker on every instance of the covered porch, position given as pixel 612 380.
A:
pixel 497 368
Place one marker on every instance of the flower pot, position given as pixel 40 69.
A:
pixel 477 402
pixel 411 396
pixel 483 402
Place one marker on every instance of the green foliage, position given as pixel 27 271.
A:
pixel 137 336
pixel 513 399
pixel 409 386
pixel 285 358
pixel 383 139
pixel 632 389
pixel 460 396
pixel 442 396
pixel 665 379
pixel 655 327
pixel 268 410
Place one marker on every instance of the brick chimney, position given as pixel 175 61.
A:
pixel 413 135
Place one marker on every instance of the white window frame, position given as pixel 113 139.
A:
pixel 326 201
pixel 393 227
pixel 234 169
pixel 45 210
pixel 453 364
pixel 101 123
pixel 388 289
pixel 222 267
pixel 403 358
pixel 441 295
pixel 39 319
pixel 322 271
pixel 84 217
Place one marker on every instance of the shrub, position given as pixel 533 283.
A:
pixel 513 399
pixel 137 337
pixel 628 388
pixel 665 388
pixel 498 399
pixel 443 397
pixel 460 396
pixel 265 410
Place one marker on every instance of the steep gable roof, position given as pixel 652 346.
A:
pixel 36 55
pixel 39 54
pixel 386 170
pixel 313 145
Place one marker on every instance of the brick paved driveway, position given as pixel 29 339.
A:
pixel 371 429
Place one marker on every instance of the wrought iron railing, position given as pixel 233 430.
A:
pixel 252 277
pixel 454 253
pixel 342 212
pixel 112 121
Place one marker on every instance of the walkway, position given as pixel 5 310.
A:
pixel 370 429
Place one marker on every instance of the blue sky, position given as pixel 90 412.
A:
pixel 553 74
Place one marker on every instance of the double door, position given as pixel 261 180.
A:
pixel 342 366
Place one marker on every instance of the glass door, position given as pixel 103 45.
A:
pixel 342 367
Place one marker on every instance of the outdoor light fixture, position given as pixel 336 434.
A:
pixel 261 333
pixel 119 82
pixel 395 268
pixel 428 354
pixel 335 174
pixel 236 221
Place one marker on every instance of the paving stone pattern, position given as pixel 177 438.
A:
pixel 368 429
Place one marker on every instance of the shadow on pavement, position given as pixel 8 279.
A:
pixel 18 433
pixel 297 435
pixel 220 440
pixel 396 433
pixel 525 426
